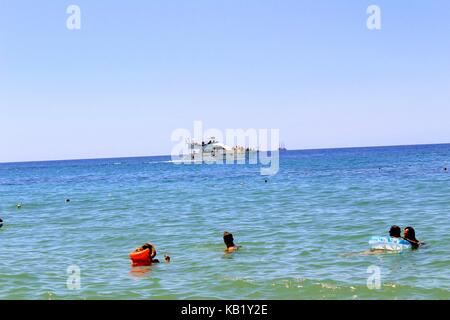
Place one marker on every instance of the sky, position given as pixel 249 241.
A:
pixel 137 70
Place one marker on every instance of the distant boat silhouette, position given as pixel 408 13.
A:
pixel 213 150
pixel 282 147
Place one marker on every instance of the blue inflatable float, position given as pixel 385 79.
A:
pixel 388 243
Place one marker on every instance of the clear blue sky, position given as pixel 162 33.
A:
pixel 137 70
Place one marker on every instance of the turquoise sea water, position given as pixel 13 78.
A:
pixel 302 232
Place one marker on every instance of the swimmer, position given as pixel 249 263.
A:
pixel 409 234
pixel 229 242
pixel 67 200
pixel 445 169
pixel 1 222
pixel 395 232
pixel 19 206
pixel 152 250
pixel 167 259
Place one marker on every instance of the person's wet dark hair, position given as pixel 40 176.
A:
pixel 1 222
pixel 395 231
pixel 228 239
pixel 411 234
pixel 147 246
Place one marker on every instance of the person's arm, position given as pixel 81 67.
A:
pixel 413 243
pixel 152 252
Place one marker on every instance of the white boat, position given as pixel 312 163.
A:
pixel 212 150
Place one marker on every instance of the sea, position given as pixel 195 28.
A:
pixel 303 232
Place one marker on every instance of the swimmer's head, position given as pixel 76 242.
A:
pixel 147 246
pixel 410 233
pixel 1 222
pixel 166 258
pixel 228 239
pixel 395 231
pixel 151 248
pixel 67 200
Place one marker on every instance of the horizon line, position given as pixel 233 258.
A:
pixel 168 155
